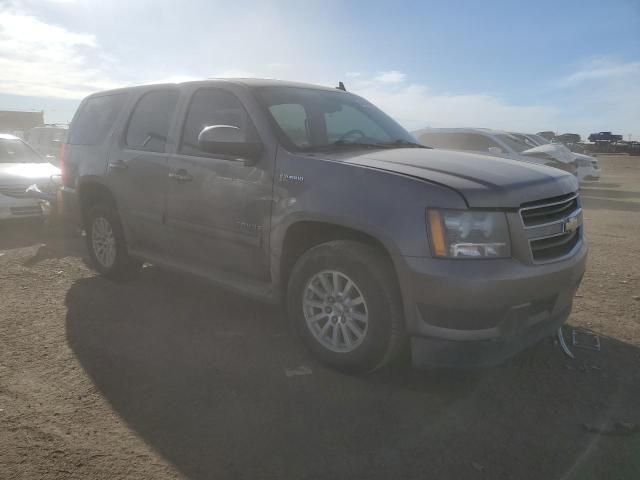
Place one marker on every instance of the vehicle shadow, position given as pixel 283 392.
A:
pixel 18 234
pixel 208 379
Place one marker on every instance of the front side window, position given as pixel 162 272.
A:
pixel 292 119
pixel 307 118
pixel 210 107
pixel 150 121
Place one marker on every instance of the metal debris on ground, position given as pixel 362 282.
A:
pixel 583 339
pixel 563 344
pixel 294 372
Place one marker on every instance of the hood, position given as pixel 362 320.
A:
pixel 483 181
pixel 554 150
pixel 27 173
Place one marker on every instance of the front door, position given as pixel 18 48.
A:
pixel 218 206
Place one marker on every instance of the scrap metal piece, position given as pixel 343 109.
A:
pixel 563 344
pixel 594 345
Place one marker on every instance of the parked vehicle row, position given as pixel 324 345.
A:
pixel 517 146
pixel 314 197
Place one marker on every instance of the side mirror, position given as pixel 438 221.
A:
pixel 228 140
pixel 495 150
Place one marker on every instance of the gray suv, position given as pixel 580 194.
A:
pixel 314 197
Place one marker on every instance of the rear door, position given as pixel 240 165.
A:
pixel 218 206
pixel 138 168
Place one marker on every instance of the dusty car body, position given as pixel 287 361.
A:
pixel 20 168
pixel 313 197
pixel 588 166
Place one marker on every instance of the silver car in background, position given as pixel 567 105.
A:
pixel 496 143
pixel 588 166
pixel 20 168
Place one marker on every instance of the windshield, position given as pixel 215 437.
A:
pixel 514 143
pixel 308 118
pixel 16 151
pixel 525 139
pixel 539 139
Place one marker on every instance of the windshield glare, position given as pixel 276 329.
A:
pixel 308 118
pixel 16 151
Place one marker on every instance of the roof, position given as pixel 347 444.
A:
pixel 246 82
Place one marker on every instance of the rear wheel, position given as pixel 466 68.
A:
pixel 106 244
pixel 344 302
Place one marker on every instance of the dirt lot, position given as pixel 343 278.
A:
pixel 166 377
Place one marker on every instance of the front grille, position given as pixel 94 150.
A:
pixel 22 211
pixel 546 249
pixel 553 226
pixel 17 191
pixel 548 211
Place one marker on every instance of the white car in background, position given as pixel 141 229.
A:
pixel 588 166
pixel 20 168
pixel 498 144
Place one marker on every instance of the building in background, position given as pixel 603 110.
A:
pixel 17 123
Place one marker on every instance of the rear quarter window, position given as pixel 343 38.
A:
pixel 96 117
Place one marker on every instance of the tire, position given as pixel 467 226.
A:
pixel 103 231
pixel 382 336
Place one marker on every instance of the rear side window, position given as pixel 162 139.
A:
pixel 213 107
pixel 95 118
pixel 150 121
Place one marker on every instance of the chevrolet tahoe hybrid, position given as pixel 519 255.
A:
pixel 314 197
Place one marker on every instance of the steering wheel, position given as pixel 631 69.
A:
pixel 350 133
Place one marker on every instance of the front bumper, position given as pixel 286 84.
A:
pixel 588 174
pixel 17 208
pixel 480 312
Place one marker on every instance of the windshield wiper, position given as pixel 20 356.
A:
pixel 344 144
pixel 401 143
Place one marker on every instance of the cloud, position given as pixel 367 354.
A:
pixel 40 59
pixel 415 106
pixel 391 76
pixel 603 94
pixel 602 69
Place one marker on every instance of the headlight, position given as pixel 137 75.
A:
pixel 468 234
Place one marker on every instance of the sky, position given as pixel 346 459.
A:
pixel 566 66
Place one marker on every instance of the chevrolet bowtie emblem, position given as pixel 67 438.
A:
pixel 571 225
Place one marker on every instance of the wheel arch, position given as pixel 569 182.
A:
pixel 91 192
pixel 304 234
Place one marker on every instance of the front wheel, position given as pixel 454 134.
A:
pixel 106 244
pixel 345 305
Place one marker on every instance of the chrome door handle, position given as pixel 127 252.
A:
pixel 118 165
pixel 180 176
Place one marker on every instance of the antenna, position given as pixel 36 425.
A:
pixel 341 87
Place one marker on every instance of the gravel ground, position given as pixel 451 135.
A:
pixel 166 377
